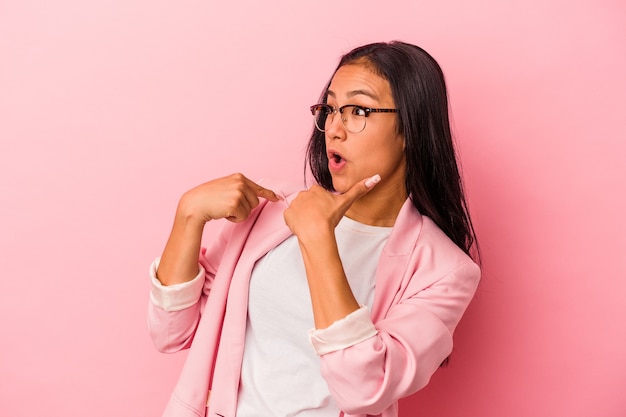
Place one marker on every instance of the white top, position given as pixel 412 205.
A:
pixel 280 372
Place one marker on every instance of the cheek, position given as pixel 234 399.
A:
pixel 380 159
pixel 389 147
pixel 393 156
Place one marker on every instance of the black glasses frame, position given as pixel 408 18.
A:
pixel 330 110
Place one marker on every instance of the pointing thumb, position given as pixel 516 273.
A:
pixel 359 189
pixel 372 181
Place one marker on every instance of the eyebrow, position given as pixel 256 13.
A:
pixel 355 93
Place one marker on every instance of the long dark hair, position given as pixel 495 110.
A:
pixel 418 88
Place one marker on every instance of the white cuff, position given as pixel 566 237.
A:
pixel 348 331
pixel 178 296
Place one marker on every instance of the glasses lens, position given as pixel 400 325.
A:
pixel 353 118
pixel 320 113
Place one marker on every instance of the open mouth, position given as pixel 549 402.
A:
pixel 335 157
pixel 335 161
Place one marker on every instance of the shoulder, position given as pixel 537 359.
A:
pixel 441 263
pixel 431 249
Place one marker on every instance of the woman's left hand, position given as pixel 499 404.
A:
pixel 317 210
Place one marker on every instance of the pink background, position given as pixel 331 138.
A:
pixel 109 110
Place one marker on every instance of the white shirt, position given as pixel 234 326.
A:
pixel 280 371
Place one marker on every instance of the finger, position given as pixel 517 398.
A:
pixel 239 210
pixel 268 195
pixel 360 189
pixel 372 181
pixel 263 192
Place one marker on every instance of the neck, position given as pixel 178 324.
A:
pixel 377 209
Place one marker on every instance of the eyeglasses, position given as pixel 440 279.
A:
pixel 354 119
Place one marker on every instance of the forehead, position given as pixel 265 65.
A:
pixel 359 79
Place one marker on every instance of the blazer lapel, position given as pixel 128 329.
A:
pixel 395 258
pixel 268 232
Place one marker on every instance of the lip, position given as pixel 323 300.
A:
pixel 333 165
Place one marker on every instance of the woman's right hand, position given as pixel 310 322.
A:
pixel 232 198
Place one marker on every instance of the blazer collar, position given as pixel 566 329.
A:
pixel 405 231
pixel 269 229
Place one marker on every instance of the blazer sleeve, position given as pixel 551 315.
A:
pixel 413 339
pixel 172 324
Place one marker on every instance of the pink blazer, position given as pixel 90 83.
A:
pixel 424 283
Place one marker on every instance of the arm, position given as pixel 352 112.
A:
pixel 368 371
pixel 312 217
pixel 413 338
pixel 231 197
pixel 182 279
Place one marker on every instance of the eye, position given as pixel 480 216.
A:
pixel 359 111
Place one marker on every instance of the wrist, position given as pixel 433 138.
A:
pixel 312 235
pixel 186 214
pixel 186 221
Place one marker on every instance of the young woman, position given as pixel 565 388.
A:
pixel 342 298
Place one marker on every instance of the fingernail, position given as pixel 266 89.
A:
pixel 281 195
pixel 370 182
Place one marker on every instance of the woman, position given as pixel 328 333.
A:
pixel 373 259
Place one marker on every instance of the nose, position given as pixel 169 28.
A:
pixel 335 128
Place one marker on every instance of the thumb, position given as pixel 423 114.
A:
pixel 360 189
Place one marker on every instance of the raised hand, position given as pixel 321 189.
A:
pixel 317 210
pixel 231 197
pixel 312 216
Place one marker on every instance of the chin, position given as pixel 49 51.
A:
pixel 341 185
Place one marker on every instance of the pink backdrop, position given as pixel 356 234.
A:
pixel 109 110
